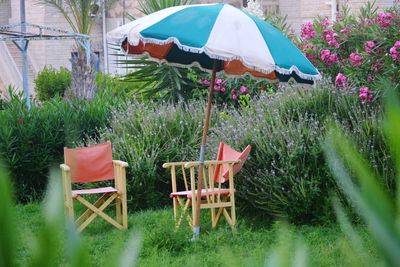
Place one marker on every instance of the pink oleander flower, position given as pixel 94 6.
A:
pixel 395 51
pixel 234 96
pixel 243 89
pixel 217 88
pixel 325 54
pixel 385 19
pixel 368 45
pixel 370 78
pixel 341 80
pixel 325 22
pixel 203 81
pixel 365 94
pixel 308 31
pixel 356 59
pixel 310 55
pixel 329 58
pixel 345 30
pixel 218 81
pixel 333 58
pixel 331 38
pixel 223 89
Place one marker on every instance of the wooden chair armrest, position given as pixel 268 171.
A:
pixel 188 164
pixel 209 162
pixel 170 164
pixel 65 167
pixel 121 163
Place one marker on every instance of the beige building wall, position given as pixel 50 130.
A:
pixel 5 11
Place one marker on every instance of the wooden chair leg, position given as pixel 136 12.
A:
pixel 228 218
pixel 124 211
pixel 67 188
pixel 183 212
pixel 213 224
pixel 121 202
pixel 69 208
pixel 89 212
pixel 98 212
pixel 233 211
pixel 175 203
pixel 217 217
pixel 118 210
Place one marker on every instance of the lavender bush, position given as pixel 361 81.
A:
pixel 286 174
pixel 148 135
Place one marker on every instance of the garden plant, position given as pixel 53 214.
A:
pixel 356 51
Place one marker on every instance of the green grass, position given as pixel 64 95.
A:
pixel 249 245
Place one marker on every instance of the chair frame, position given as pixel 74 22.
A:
pixel 96 209
pixel 214 196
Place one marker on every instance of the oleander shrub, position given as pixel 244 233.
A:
pixel 31 142
pixel 51 82
pixel 356 51
pixel 286 175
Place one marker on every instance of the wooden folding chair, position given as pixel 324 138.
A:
pixel 94 164
pixel 218 193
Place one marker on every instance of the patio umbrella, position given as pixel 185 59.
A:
pixel 216 38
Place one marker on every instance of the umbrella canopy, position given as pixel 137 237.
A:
pixel 215 38
pixel 195 35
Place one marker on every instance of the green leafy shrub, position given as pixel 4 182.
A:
pixel 31 142
pixel 286 174
pixel 115 87
pixel 50 83
pixel 148 135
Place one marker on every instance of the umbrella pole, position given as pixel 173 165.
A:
pixel 196 220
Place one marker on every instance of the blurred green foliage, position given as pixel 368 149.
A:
pixel 51 83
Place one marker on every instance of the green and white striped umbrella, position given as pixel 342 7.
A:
pixel 198 34
pixel 216 38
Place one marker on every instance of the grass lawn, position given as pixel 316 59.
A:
pixel 249 245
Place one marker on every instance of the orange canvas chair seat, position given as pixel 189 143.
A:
pixel 95 164
pixel 218 192
pixel 101 190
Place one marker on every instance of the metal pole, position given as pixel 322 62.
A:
pixel 196 220
pixel 24 48
pixel 123 12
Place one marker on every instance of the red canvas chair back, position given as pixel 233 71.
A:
pixel 90 164
pixel 225 152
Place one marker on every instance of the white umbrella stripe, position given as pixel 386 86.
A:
pixel 231 36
